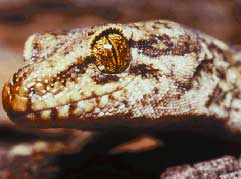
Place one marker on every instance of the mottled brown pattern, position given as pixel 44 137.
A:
pixel 174 72
pixel 148 47
pixel 145 71
pixel 70 73
pixel 217 96
pixel 205 66
pixel 106 78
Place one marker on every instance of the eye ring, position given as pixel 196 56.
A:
pixel 111 51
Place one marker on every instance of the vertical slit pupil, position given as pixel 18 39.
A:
pixel 114 53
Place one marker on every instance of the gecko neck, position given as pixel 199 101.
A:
pixel 234 78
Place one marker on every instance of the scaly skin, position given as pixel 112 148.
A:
pixel 169 73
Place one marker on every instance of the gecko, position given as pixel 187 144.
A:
pixel 154 74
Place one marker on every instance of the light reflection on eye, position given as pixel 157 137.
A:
pixel 111 51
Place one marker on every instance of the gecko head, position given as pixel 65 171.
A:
pixel 101 73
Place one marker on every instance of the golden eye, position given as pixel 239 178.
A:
pixel 111 51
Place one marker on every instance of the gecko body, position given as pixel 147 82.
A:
pixel 135 75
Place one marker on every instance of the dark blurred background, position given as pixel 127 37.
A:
pixel 20 18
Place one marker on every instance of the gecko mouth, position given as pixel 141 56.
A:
pixel 19 108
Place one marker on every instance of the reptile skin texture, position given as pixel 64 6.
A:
pixel 134 75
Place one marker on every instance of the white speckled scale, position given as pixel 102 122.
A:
pixel 137 73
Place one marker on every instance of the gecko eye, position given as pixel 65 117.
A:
pixel 111 51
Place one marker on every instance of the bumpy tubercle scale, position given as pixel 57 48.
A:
pixel 118 73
